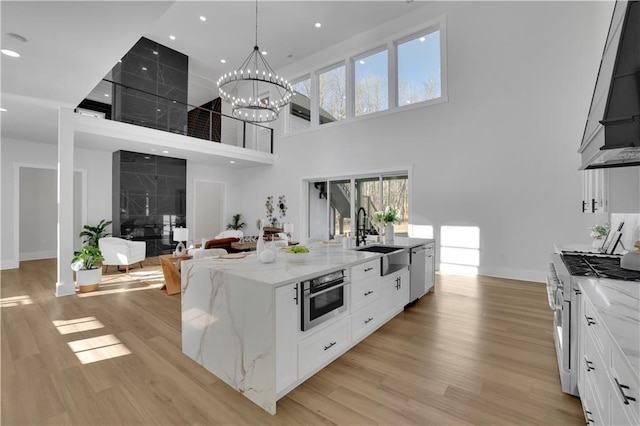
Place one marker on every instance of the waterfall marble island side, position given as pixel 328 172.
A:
pixel 241 321
pixel 229 318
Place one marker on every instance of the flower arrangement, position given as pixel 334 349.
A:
pixel 598 232
pixel 383 218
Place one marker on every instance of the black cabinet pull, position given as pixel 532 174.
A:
pixel 577 291
pixel 329 346
pixel 368 269
pixel 296 296
pixel 589 365
pixel 368 292
pixel 368 320
pixel 589 419
pixel 590 320
pixel 584 206
pixel 621 388
pixel 593 205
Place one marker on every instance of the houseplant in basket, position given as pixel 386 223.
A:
pixel 88 274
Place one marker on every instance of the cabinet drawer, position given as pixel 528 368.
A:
pixel 596 372
pixel 589 406
pixel 316 351
pixel 365 270
pixel 365 320
pixel 625 383
pixel 595 328
pixel 363 293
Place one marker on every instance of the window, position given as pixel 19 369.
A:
pixel 419 77
pixel 395 193
pixel 332 95
pixel 371 83
pixel 301 104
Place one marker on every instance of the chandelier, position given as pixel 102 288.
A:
pixel 256 93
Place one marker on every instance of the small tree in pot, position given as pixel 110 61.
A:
pixel 84 262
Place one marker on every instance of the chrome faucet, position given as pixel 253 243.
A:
pixel 360 229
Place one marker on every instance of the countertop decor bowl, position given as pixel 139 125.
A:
pixel 296 257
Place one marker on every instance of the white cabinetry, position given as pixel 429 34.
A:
pixel 323 347
pixel 394 293
pixel 430 266
pixel 287 325
pixel 615 190
pixel 609 389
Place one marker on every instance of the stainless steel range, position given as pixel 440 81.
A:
pixel 563 292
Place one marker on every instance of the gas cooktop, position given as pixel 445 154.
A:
pixel 598 266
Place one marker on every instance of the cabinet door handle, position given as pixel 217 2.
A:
pixel 330 345
pixel 593 205
pixel 621 388
pixel 296 296
pixel 577 291
pixel 368 292
pixel 368 320
pixel 588 364
pixel 590 320
pixel 584 206
pixel 589 419
pixel 368 269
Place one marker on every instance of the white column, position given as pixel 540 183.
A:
pixel 64 284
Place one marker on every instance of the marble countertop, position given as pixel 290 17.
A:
pixel 322 258
pixel 618 304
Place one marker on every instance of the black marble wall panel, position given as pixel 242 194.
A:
pixel 149 199
pixel 163 73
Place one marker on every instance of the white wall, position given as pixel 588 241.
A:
pixel 500 154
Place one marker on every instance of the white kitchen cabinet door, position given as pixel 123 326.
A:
pixel 394 293
pixel 287 325
pixel 430 268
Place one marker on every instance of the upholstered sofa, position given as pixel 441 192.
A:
pixel 120 252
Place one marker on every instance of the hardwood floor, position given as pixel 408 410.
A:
pixel 477 351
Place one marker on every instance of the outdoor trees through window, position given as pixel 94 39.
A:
pixel 371 83
pixel 332 95
pixel 419 69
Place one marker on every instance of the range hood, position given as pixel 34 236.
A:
pixel 612 134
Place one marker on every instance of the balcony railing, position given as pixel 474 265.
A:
pixel 142 108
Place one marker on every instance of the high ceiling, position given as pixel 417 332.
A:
pixel 71 46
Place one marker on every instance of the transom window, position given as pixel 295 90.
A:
pixel 403 72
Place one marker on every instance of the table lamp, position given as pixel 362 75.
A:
pixel 181 235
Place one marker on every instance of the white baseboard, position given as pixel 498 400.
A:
pixel 37 255
pixel 514 274
pixel 9 264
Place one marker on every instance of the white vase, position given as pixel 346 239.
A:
pixel 260 243
pixel 388 233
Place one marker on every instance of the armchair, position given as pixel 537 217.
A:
pixel 120 252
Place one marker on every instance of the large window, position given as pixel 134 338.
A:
pixel 371 83
pixel 419 77
pixel 333 205
pixel 301 104
pixel 332 95
pixel 460 249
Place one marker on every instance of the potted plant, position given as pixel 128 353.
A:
pixel 84 262
pixel 236 222
pixel 385 220
pixel 88 274
pixel 598 233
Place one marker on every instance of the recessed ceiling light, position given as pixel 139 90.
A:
pixel 232 162
pixel 422 39
pixel 155 52
pixel 172 37
pixel 203 18
pixel 159 110
pixel 144 68
pixel 264 52
pixel 146 157
pixel 106 94
pixel 10 52
pixel 224 61
pixel 165 152
pixel 3 109
pixel 318 24
pixel 361 62
pixel 120 60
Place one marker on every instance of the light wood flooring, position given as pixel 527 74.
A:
pixel 477 351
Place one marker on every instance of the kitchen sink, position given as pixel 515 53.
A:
pixel 379 249
pixel 393 258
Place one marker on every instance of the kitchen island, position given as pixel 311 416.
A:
pixel 241 319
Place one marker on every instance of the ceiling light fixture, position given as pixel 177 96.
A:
pixel 10 52
pixel 224 61
pixel 244 87
pixel 232 162
pixel 11 40
pixel 3 109
pixel 172 37
pixel 203 18
pixel 318 24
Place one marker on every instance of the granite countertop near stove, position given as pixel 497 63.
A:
pixel 618 304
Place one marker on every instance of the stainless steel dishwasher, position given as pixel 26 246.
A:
pixel 422 271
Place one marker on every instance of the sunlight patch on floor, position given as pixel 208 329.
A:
pixel 7 302
pixel 102 292
pixel 77 325
pixel 98 348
